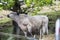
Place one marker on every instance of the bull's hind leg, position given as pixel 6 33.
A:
pixel 45 28
pixel 40 34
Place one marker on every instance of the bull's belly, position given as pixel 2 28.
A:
pixel 35 31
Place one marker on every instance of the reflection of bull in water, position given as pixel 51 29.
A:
pixel 31 24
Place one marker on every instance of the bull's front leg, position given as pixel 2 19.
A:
pixel 25 34
pixel 34 36
pixel 40 35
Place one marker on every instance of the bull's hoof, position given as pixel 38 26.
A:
pixel 32 38
pixel 41 39
pixel 45 33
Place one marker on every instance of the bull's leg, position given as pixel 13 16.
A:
pixel 40 34
pixel 34 36
pixel 25 34
pixel 45 28
pixel 16 29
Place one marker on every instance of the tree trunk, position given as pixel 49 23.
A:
pixel 17 8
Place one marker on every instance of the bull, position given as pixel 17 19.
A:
pixel 31 23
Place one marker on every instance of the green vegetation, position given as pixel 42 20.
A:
pixel 35 3
pixel 4 20
pixel 38 3
pixel 6 4
pixel 34 6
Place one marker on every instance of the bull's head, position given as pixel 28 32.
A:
pixel 12 15
pixel 22 20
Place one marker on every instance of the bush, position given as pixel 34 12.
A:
pixel 1 6
pixel 7 4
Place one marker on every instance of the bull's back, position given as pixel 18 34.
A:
pixel 36 21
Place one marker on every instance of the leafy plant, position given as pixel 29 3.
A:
pixel 36 5
pixel 6 4
pixel 1 6
pixel 10 3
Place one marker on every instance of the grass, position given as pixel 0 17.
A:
pixel 4 20
pixel 49 37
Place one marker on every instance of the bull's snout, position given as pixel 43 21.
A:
pixel 8 16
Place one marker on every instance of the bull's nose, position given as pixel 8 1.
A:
pixel 7 15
